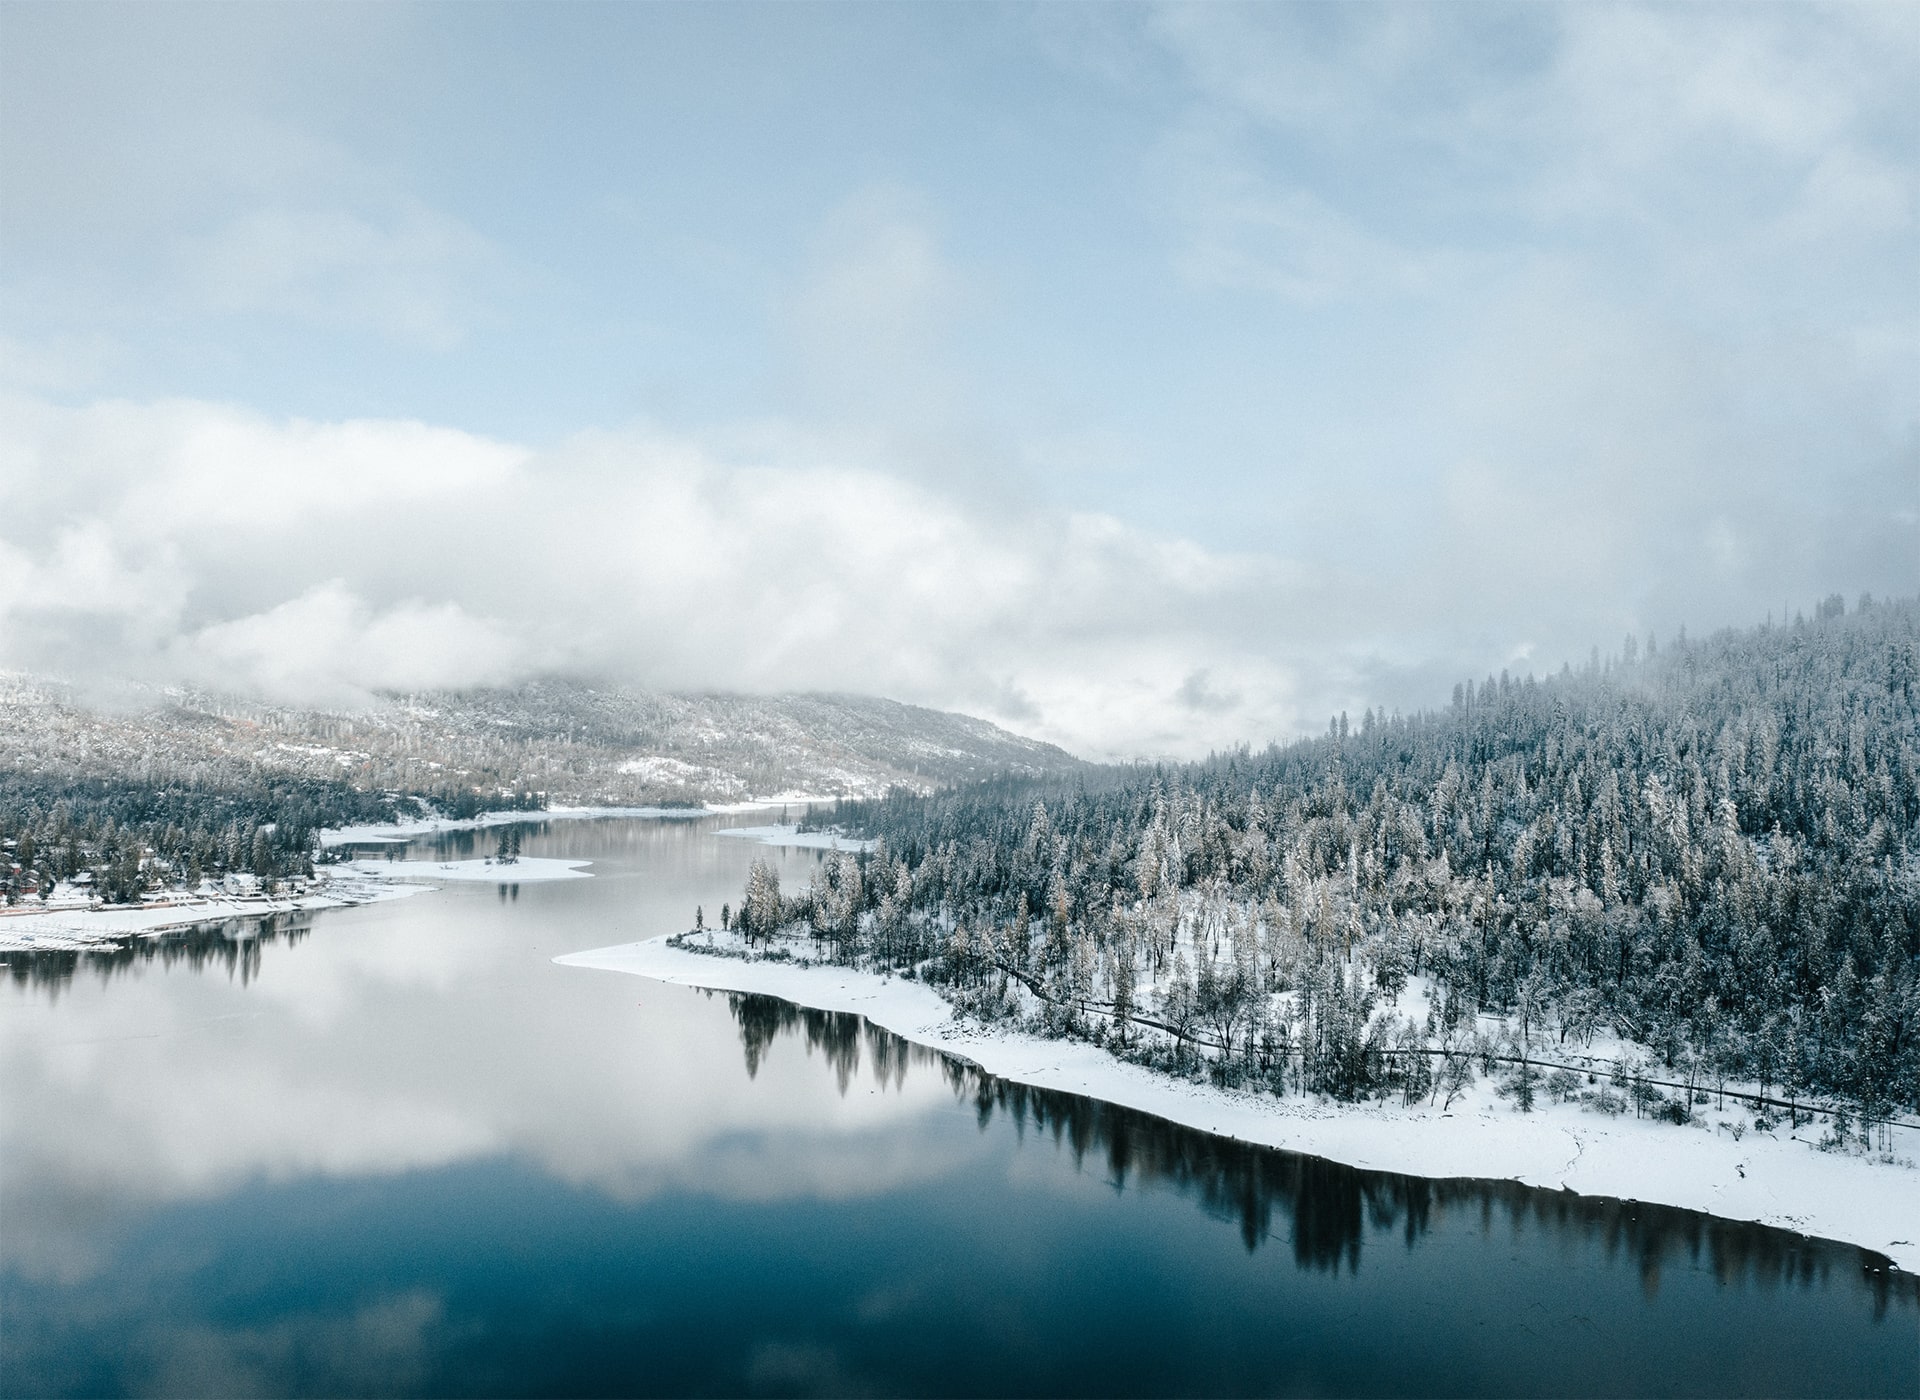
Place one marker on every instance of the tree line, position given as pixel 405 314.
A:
pixel 127 836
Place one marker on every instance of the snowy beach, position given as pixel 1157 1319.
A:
pixel 1775 1178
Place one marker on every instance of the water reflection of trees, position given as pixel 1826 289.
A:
pixel 235 945
pixel 465 843
pixel 837 1035
pixel 1327 1210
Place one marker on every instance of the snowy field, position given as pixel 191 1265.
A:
pixel 1776 1178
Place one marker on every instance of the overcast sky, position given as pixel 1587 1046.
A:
pixel 1147 379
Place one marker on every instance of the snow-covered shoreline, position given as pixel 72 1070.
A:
pixel 1771 1178
pixel 26 930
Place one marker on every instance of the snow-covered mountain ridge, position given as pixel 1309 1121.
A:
pixel 574 742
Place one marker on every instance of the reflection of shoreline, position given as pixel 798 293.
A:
pixel 234 944
pixel 1761 1178
pixel 1327 1209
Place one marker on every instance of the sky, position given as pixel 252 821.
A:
pixel 1149 379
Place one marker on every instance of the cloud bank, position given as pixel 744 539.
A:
pixel 320 562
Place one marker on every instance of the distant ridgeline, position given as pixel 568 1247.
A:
pixel 167 786
pixel 562 740
pixel 1712 850
pixel 130 835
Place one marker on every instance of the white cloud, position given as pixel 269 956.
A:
pixel 321 561
pixel 327 644
pixel 1246 233
pixel 868 324
pixel 409 276
pixel 1375 136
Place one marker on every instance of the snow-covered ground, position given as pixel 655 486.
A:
pixel 385 833
pixel 27 929
pixel 1776 1178
pixel 32 930
pixel 791 835
pixel 778 799
pixel 524 871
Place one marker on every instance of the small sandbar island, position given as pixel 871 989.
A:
pixel 525 870
pixel 1718 1162
pixel 789 834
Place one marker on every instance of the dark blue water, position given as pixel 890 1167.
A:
pixel 394 1150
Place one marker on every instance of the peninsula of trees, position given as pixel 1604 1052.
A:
pixel 1707 853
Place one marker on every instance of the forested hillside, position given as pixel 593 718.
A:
pixel 127 836
pixel 557 740
pixel 164 787
pixel 1711 850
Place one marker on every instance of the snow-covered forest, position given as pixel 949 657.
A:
pixel 126 836
pixel 1696 864
pixel 558 740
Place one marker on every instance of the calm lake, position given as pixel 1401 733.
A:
pixel 394 1150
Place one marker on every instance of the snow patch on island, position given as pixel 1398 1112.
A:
pixel 27 930
pixel 397 833
pixel 524 871
pixel 791 835
pixel 1769 1178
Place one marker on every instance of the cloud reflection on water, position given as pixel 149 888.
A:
pixel 405 1038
